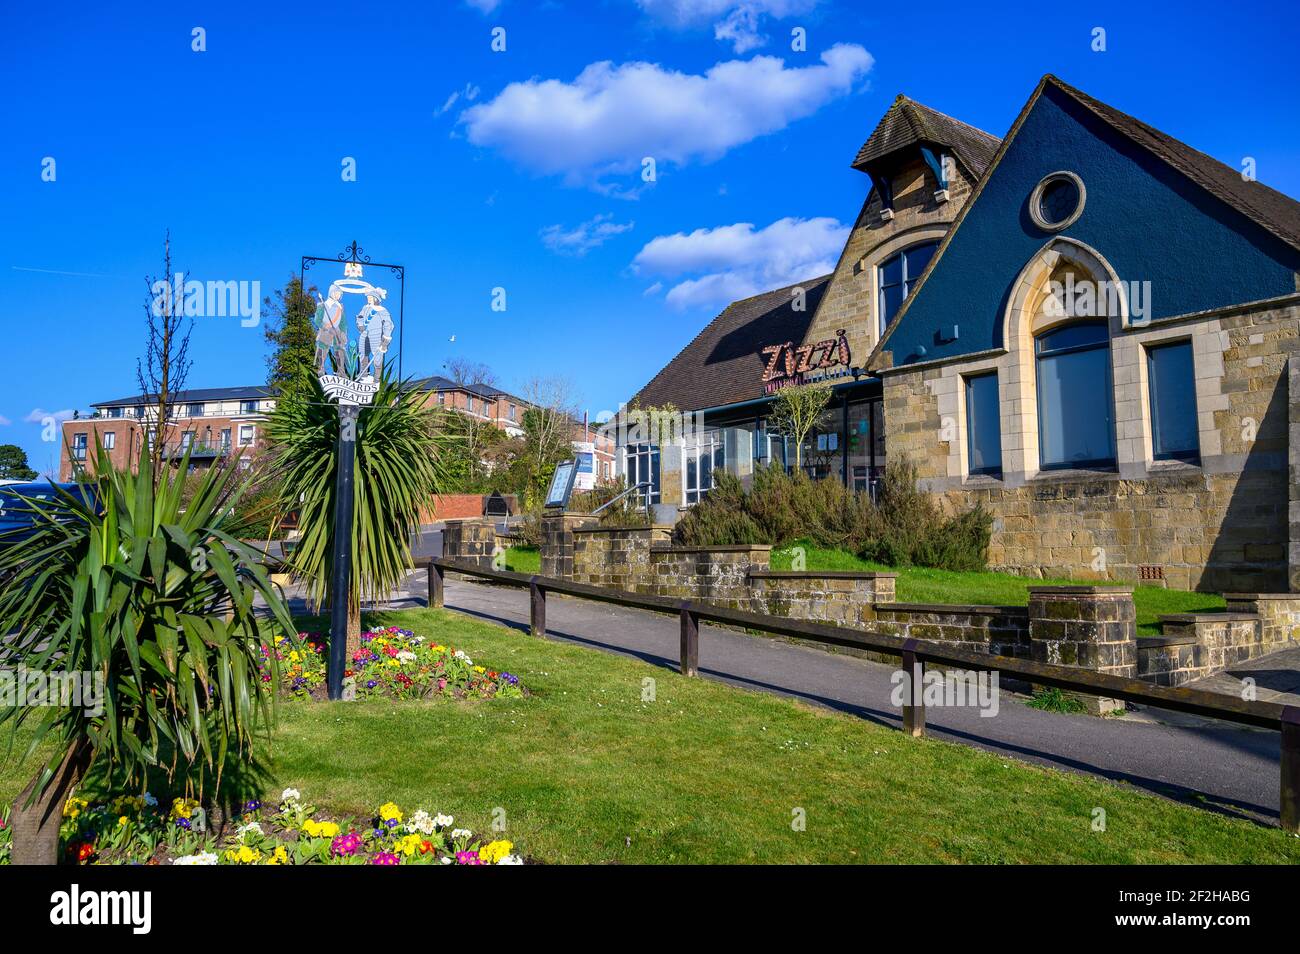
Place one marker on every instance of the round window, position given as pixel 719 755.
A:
pixel 1057 201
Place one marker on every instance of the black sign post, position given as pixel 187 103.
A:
pixel 341 562
pixel 352 384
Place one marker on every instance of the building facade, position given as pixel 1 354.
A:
pixel 1100 348
pixel 213 424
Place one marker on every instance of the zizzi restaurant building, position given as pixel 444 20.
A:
pixel 921 166
pixel 1088 327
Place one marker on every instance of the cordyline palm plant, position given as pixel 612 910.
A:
pixel 398 469
pixel 146 598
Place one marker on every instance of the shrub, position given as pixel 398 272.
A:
pixel 907 527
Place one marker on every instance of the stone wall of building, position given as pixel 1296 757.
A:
pixel 841 599
pixel 1220 525
pixel 850 303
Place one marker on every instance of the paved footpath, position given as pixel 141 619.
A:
pixel 1231 768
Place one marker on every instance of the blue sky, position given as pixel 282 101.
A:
pixel 521 169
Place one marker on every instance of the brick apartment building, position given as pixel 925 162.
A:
pixel 218 423
pixel 212 423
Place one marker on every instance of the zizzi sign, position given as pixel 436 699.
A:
pixel 788 364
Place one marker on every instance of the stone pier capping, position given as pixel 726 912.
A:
pixel 471 540
pixel 1094 627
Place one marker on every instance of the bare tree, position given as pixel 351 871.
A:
pixel 465 372
pixel 166 365
pixel 549 425
pixel 795 412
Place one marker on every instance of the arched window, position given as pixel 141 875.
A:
pixel 1075 423
pixel 897 277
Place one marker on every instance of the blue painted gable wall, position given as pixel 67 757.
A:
pixel 1147 220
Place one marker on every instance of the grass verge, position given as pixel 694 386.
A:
pixel 589 770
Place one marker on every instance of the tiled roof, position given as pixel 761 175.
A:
pixel 908 123
pixel 724 363
pixel 437 382
pixel 1278 213
pixel 196 396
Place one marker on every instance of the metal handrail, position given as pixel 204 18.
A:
pixel 635 487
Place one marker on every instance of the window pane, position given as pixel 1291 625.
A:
pixel 1173 402
pixel 1074 409
pixel 891 272
pixel 1072 336
pixel 890 298
pixel 918 256
pixel 983 427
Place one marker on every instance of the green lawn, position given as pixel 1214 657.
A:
pixel 524 559
pixel 919 585
pixel 586 771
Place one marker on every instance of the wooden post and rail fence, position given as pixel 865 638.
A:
pixel 914 654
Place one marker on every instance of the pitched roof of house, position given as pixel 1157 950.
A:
pixel 1278 213
pixel 907 123
pixel 437 382
pixel 724 363
pixel 195 396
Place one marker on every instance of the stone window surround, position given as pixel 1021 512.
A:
pixel 869 266
pixel 1014 364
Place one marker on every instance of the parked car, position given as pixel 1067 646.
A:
pixel 18 517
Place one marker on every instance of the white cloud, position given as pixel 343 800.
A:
pixel 612 116
pixel 470 93
pixel 582 238
pixel 737 22
pixel 4 421
pixel 483 6
pixel 736 261
pixel 654 289
pixel 39 414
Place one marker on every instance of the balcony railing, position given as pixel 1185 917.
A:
pixel 199 450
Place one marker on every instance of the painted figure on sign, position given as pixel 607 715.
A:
pixel 376 328
pixel 331 332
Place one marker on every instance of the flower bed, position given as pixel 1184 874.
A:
pixel 391 662
pixel 137 830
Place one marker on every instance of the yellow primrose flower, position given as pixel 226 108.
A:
pixel 243 855
pixel 320 829
pixel 390 812
pixel 73 807
pixel 479 669
pixel 121 821
pixel 494 852
pixel 408 845
pixel 279 856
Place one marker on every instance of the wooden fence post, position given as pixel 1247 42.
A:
pixel 1290 815
pixel 537 601
pixel 913 707
pixel 690 642
pixel 436 574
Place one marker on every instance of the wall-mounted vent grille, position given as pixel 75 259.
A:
pixel 1151 571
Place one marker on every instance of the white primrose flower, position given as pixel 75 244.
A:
pixel 442 821
pixel 459 833
pixel 406 656
pixel 243 830
pixel 421 822
pixel 290 795
pixel 202 858
pixel 510 860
